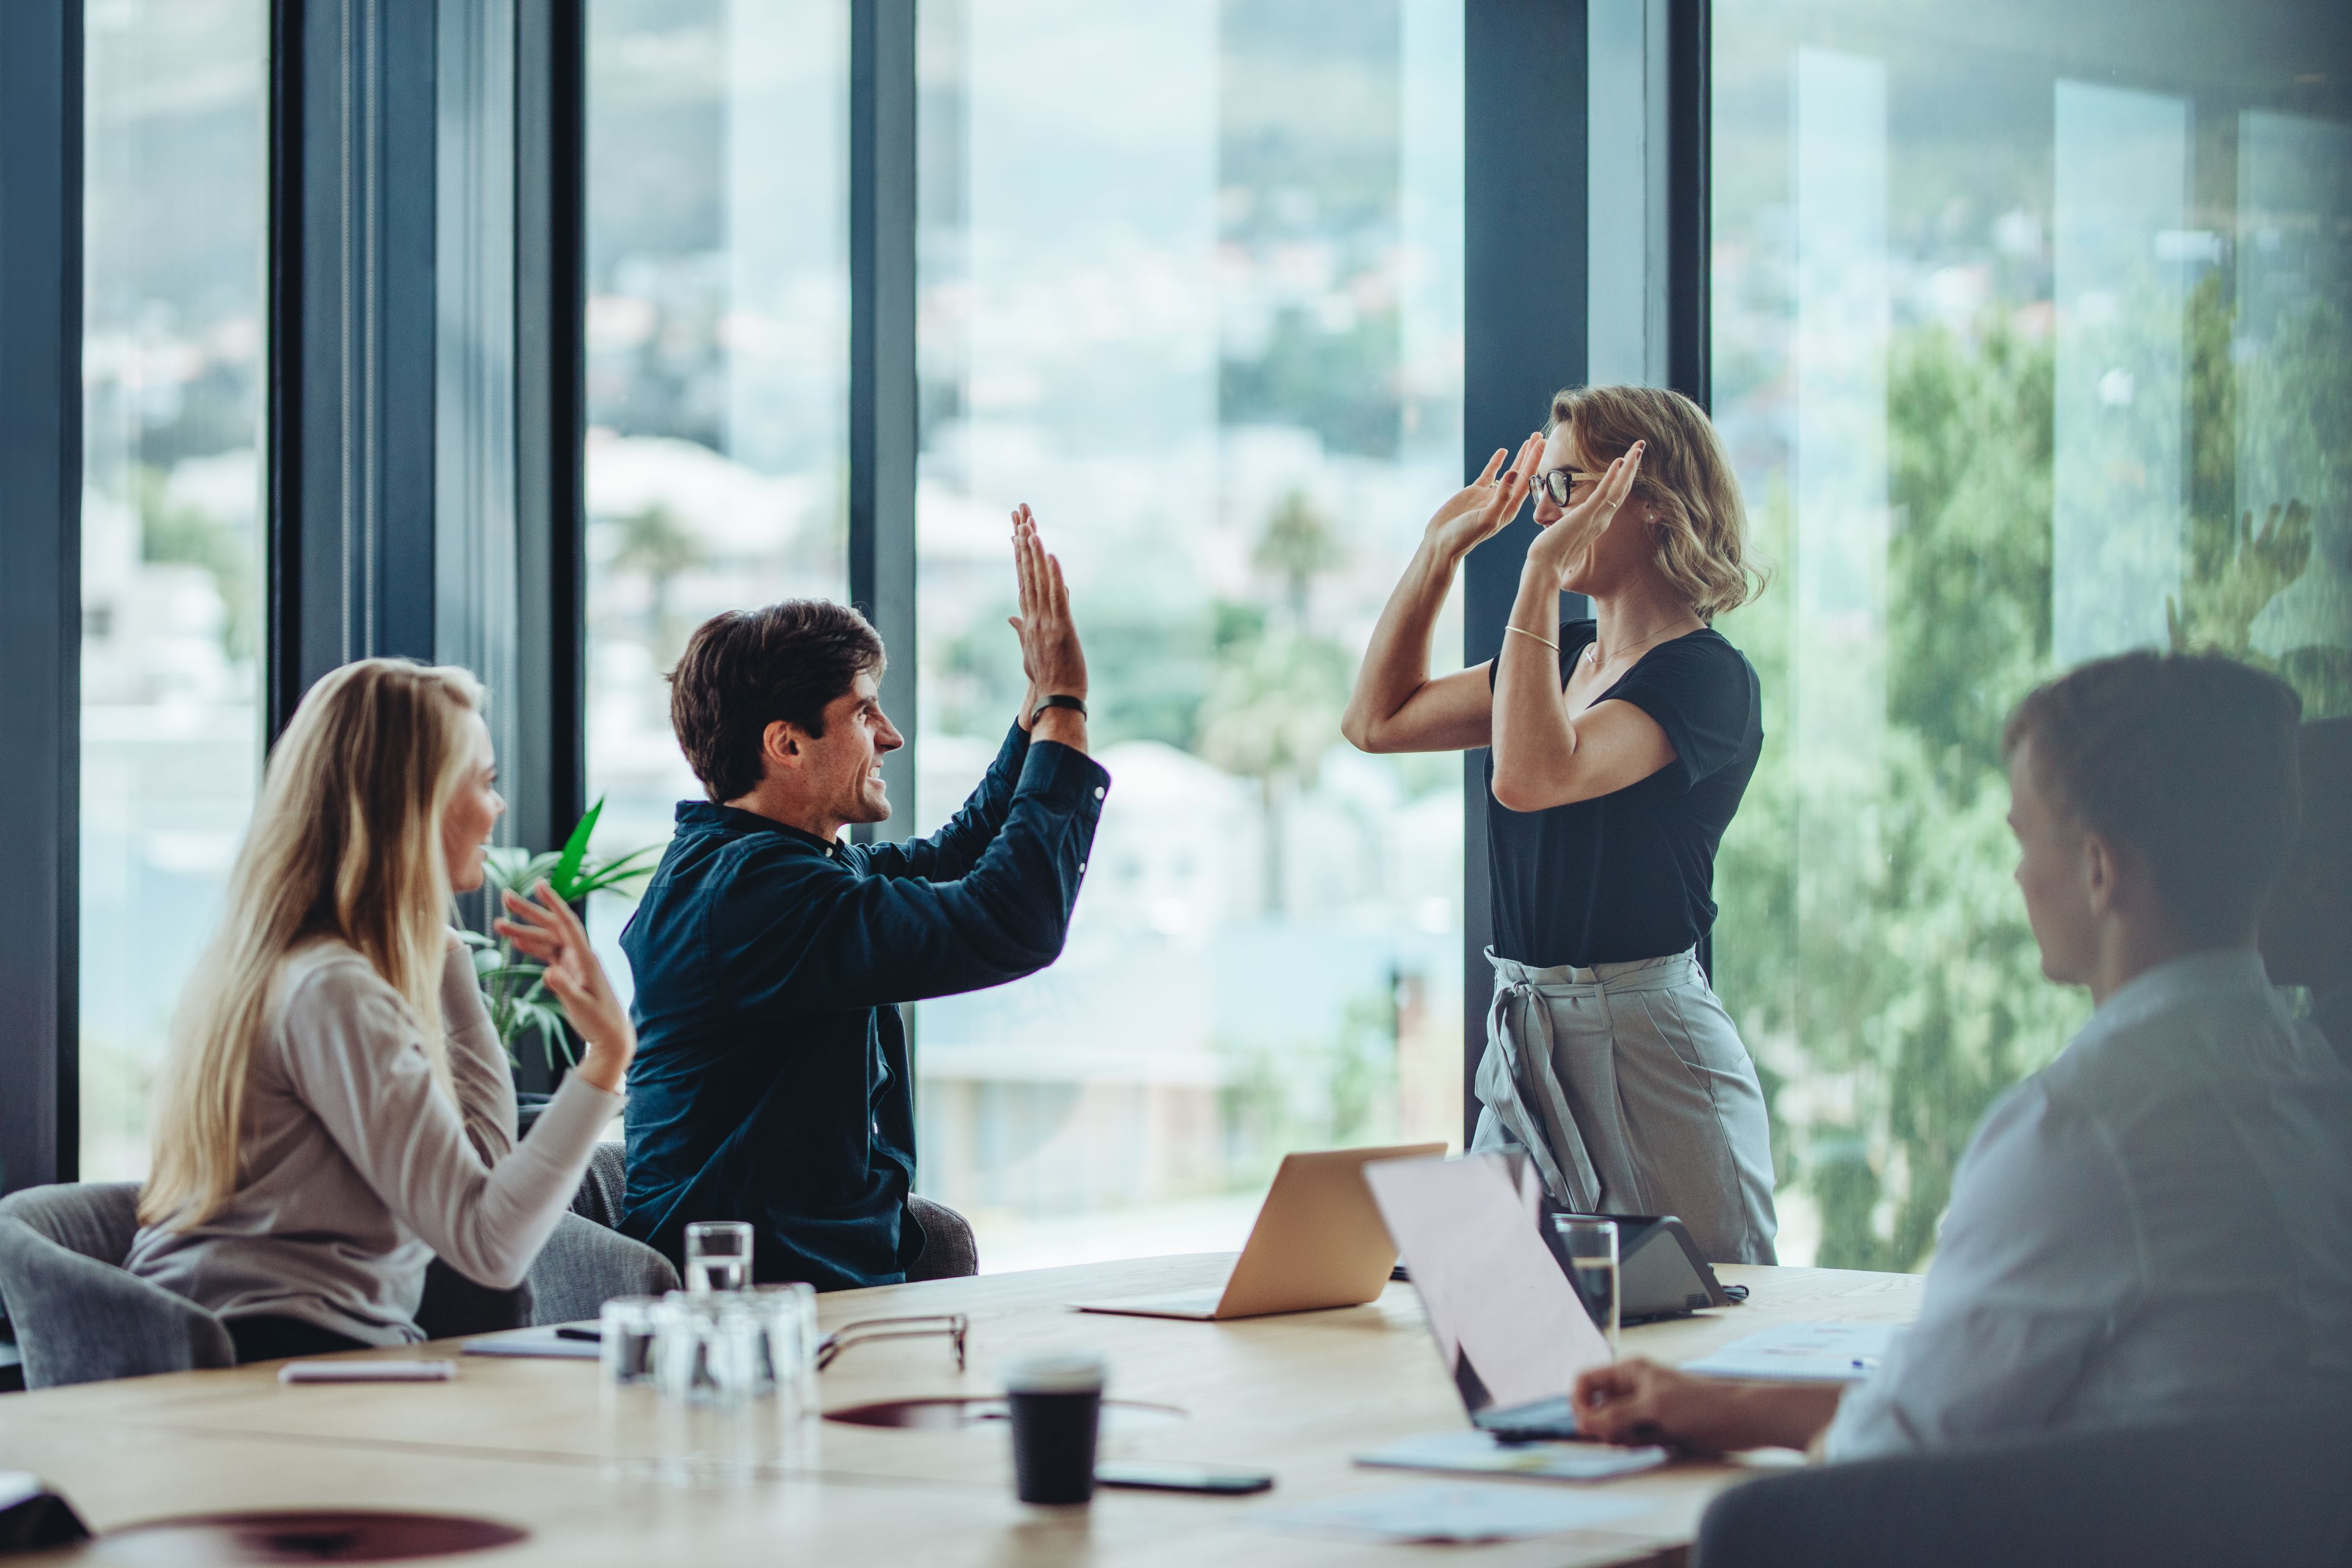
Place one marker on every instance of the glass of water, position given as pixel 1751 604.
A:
pixel 627 1330
pixel 718 1255
pixel 1588 1247
pixel 783 1329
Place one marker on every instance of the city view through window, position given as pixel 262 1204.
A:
pixel 174 184
pixel 2020 364
pixel 1205 318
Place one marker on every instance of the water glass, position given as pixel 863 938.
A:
pixel 704 1349
pixel 627 1330
pixel 782 1325
pixel 1589 1247
pixel 718 1255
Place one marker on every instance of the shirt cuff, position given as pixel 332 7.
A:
pixel 1066 778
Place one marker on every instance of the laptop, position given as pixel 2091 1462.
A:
pixel 1318 1242
pixel 1507 1321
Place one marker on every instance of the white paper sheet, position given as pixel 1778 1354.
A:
pixel 541 1343
pixel 1478 1453
pixel 1468 1229
pixel 1802 1352
pixel 1454 1513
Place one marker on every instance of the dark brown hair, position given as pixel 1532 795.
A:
pixel 745 670
pixel 1700 531
pixel 2188 758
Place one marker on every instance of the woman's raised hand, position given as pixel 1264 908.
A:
pixel 1478 511
pixel 1557 549
pixel 544 928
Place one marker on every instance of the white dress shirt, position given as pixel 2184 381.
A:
pixel 2156 1225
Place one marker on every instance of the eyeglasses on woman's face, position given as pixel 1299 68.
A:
pixel 1560 483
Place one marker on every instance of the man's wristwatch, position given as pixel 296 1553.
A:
pixel 1059 699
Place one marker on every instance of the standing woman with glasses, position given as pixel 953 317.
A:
pixel 336 1109
pixel 1619 749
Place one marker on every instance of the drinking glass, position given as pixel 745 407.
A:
pixel 1589 1247
pixel 628 1329
pixel 718 1255
pixel 704 1349
pixel 783 1320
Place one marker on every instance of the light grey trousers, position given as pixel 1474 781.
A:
pixel 1628 1086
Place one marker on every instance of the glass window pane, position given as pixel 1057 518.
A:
pixel 2021 312
pixel 175 227
pixel 1189 284
pixel 717 358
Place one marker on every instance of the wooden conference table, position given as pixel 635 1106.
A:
pixel 536 1444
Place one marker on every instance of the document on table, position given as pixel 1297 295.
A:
pixel 1453 1513
pixel 1802 1352
pixel 540 1342
pixel 1479 1453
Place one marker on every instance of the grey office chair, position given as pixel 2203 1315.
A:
pixel 79 1318
pixel 949 1251
pixel 2206 1494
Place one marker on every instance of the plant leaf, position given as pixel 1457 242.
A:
pixel 566 878
pixel 602 876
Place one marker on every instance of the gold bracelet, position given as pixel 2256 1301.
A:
pixel 1538 635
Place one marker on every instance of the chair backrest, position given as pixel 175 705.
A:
pixel 584 1265
pixel 948 1250
pixel 2267 1488
pixel 76 1315
pixel 603 1187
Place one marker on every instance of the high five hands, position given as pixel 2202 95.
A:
pixel 1477 512
pixel 1050 656
pixel 1559 548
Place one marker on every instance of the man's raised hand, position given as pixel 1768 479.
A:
pixel 1050 656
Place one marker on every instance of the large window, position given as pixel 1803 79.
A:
pixel 175 176
pixel 718 357
pixel 1189 283
pixel 2032 334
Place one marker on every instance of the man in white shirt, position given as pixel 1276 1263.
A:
pixel 2159 1225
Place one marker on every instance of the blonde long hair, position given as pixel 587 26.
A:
pixel 1699 528
pixel 345 843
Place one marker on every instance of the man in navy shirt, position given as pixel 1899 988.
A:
pixel 771 1082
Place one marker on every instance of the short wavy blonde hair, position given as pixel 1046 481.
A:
pixel 1701 526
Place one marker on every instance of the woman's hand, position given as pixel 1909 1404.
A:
pixel 1478 511
pixel 1558 548
pixel 1050 656
pixel 544 928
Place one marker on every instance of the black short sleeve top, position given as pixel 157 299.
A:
pixel 1631 875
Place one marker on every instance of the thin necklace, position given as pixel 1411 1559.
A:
pixel 1593 649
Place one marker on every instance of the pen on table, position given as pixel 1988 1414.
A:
pixel 594 1335
pixel 1866 1363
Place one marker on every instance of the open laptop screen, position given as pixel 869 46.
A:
pixel 1506 1320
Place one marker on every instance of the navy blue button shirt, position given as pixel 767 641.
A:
pixel 771 1082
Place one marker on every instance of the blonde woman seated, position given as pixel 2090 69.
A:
pixel 336 1109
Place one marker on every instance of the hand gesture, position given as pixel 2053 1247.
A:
pixel 1639 1402
pixel 547 930
pixel 1050 654
pixel 1558 548
pixel 1477 512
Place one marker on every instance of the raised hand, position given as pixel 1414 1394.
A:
pixel 1476 513
pixel 544 928
pixel 1050 656
pixel 1557 549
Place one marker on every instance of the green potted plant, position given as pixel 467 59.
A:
pixel 513 985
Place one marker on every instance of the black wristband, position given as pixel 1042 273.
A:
pixel 1059 699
